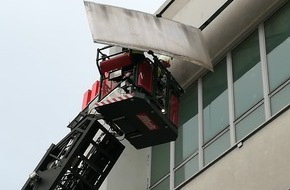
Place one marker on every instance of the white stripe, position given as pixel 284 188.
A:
pixel 112 100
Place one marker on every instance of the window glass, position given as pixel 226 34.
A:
pixel 160 162
pixel 280 99
pixel 247 74
pixel 186 171
pixel 277 32
pixel 164 185
pixel 187 142
pixel 215 101
pixel 249 123
pixel 216 148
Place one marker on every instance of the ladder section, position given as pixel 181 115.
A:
pixel 80 161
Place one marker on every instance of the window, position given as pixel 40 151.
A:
pixel 216 148
pixel 248 85
pixel 215 111
pixel 249 123
pixel 280 99
pixel 164 185
pixel 247 75
pixel 160 162
pixel 187 142
pixel 215 101
pixel 186 171
pixel 277 33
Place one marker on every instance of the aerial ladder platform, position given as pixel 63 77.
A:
pixel 136 98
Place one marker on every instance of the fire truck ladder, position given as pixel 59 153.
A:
pixel 81 160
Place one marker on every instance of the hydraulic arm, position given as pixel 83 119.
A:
pixel 80 161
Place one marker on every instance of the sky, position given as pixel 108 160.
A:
pixel 47 59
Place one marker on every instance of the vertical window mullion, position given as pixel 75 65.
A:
pixel 231 98
pixel 263 55
pixel 200 124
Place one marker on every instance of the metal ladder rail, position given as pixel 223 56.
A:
pixel 69 169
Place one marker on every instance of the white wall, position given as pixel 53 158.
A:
pixel 223 33
pixel 196 12
pixel 192 12
pixel 130 171
pixel 263 162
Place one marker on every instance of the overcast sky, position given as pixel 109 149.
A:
pixel 47 60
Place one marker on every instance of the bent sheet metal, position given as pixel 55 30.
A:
pixel 142 31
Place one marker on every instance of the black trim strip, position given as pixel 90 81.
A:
pixel 208 21
pixel 219 11
pixel 165 8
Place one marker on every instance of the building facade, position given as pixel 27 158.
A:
pixel 234 123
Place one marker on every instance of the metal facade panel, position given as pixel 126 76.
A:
pixel 142 31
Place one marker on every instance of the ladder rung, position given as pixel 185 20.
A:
pixel 62 186
pixel 99 148
pixel 82 179
pixel 55 157
pixel 93 166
